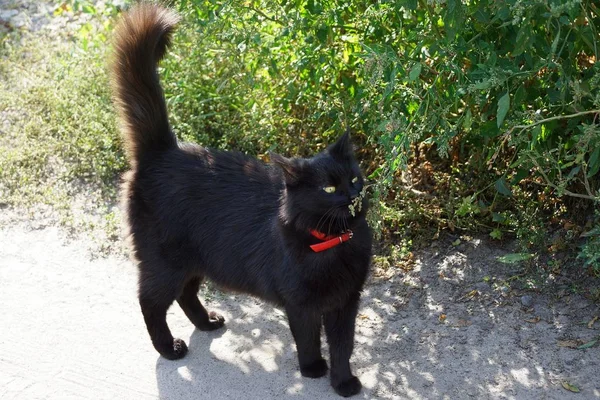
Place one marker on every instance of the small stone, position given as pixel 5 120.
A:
pixel 427 383
pixel 527 301
pixel 6 15
pixel 19 21
pixel 486 325
pixel 482 287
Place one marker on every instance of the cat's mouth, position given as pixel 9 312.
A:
pixel 339 218
pixel 334 220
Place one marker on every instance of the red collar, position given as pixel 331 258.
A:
pixel 329 241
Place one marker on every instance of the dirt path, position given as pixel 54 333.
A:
pixel 71 328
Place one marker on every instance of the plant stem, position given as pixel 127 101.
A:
pixel 265 16
pixel 555 118
pixel 552 185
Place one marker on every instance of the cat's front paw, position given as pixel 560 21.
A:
pixel 348 388
pixel 315 369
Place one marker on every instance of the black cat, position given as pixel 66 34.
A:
pixel 292 232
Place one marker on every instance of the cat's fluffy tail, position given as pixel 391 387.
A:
pixel 141 40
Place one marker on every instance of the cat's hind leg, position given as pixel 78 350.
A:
pixel 195 311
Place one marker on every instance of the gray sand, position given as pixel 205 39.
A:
pixel 71 328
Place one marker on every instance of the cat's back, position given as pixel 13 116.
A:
pixel 194 180
pixel 222 169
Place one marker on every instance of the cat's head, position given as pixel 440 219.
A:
pixel 325 192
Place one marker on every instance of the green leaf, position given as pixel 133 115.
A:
pixel 503 106
pixel 502 187
pixel 453 18
pixel 409 4
pixel 564 20
pixel 322 33
pixel 555 42
pixel 415 72
pixel 574 172
pixel 499 217
pixel 489 129
pixel 504 13
pixel 594 163
pixel 523 37
pixel 588 344
pixel 536 136
pixel 483 85
pixel 570 387
pixel 273 69
pixel 88 9
pixel 467 207
pixel 519 96
pixel 588 36
pixel 496 234
pixel 468 121
pixel 514 258
pixel 521 173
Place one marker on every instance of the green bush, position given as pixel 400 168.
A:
pixel 508 90
pixel 507 84
pixel 494 104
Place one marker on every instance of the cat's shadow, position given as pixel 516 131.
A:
pixel 177 379
pixel 263 365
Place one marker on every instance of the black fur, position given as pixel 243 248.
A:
pixel 194 212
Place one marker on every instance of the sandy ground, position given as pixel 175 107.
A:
pixel 71 328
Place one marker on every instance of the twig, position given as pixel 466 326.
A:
pixel 512 278
pixel 506 135
pixel 552 185
pixel 593 28
pixel 555 118
pixel 265 16
pixel 586 181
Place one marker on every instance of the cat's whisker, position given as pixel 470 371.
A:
pixel 337 222
pixel 326 216
pixel 322 221
pixel 333 219
pixel 322 216
pixel 341 223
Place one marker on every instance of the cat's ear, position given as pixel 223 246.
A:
pixel 342 147
pixel 291 167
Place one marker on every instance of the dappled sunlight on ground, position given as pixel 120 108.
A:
pixel 86 337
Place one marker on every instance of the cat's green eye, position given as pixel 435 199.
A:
pixel 355 179
pixel 329 189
